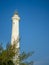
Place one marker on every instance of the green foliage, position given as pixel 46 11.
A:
pixel 7 55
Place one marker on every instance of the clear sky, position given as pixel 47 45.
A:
pixel 34 26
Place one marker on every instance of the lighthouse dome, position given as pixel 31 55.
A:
pixel 16 16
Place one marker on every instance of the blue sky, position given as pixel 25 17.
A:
pixel 34 26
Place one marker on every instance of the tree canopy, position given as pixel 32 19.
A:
pixel 7 55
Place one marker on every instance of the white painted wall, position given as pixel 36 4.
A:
pixel 15 28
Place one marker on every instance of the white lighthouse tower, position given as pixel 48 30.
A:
pixel 15 28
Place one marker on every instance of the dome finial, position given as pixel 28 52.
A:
pixel 16 12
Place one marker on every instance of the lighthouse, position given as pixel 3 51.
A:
pixel 15 28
